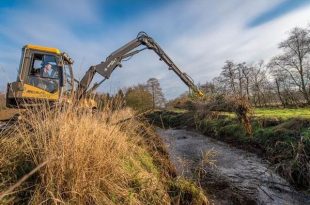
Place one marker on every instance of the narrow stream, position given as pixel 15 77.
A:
pixel 238 177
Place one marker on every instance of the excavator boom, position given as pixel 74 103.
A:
pixel 114 60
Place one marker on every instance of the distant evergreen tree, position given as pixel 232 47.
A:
pixel 158 97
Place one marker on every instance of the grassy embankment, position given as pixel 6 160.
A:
pixel 86 158
pixel 280 135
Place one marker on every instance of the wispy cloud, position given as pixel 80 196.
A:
pixel 198 35
pixel 276 11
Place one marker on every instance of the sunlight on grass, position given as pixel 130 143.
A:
pixel 283 113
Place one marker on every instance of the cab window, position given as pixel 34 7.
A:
pixel 44 72
pixel 68 79
pixel 44 66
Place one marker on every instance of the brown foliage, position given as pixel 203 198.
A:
pixel 243 109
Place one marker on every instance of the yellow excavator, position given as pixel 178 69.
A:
pixel 47 73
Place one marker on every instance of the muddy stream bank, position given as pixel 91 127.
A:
pixel 237 177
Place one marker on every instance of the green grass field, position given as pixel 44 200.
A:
pixel 285 113
pixel 280 113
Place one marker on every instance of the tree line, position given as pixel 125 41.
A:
pixel 283 81
pixel 140 97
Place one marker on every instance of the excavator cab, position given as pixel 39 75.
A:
pixel 44 74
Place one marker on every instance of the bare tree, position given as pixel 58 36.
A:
pixel 282 83
pixel 220 85
pixel 295 60
pixel 259 83
pixel 239 70
pixel 209 88
pixel 286 89
pixel 247 73
pixel 229 75
pixel 285 80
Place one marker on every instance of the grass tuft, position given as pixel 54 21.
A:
pixel 186 192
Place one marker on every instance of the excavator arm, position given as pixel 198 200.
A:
pixel 114 60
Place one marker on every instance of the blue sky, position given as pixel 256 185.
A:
pixel 199 35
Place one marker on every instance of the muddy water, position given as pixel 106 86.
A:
pixel 237 177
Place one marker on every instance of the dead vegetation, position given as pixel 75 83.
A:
pixel 243 110
pixel 87 158
pixel 240 106
pixel 2 101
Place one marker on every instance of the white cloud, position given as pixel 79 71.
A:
pixel 198 35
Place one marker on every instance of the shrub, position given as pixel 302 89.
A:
pixel 139 98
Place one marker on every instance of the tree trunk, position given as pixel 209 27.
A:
pixel 153 95
pixel 279 93
pixel 304 90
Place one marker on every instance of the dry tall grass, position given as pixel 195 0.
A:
pixel 90 159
